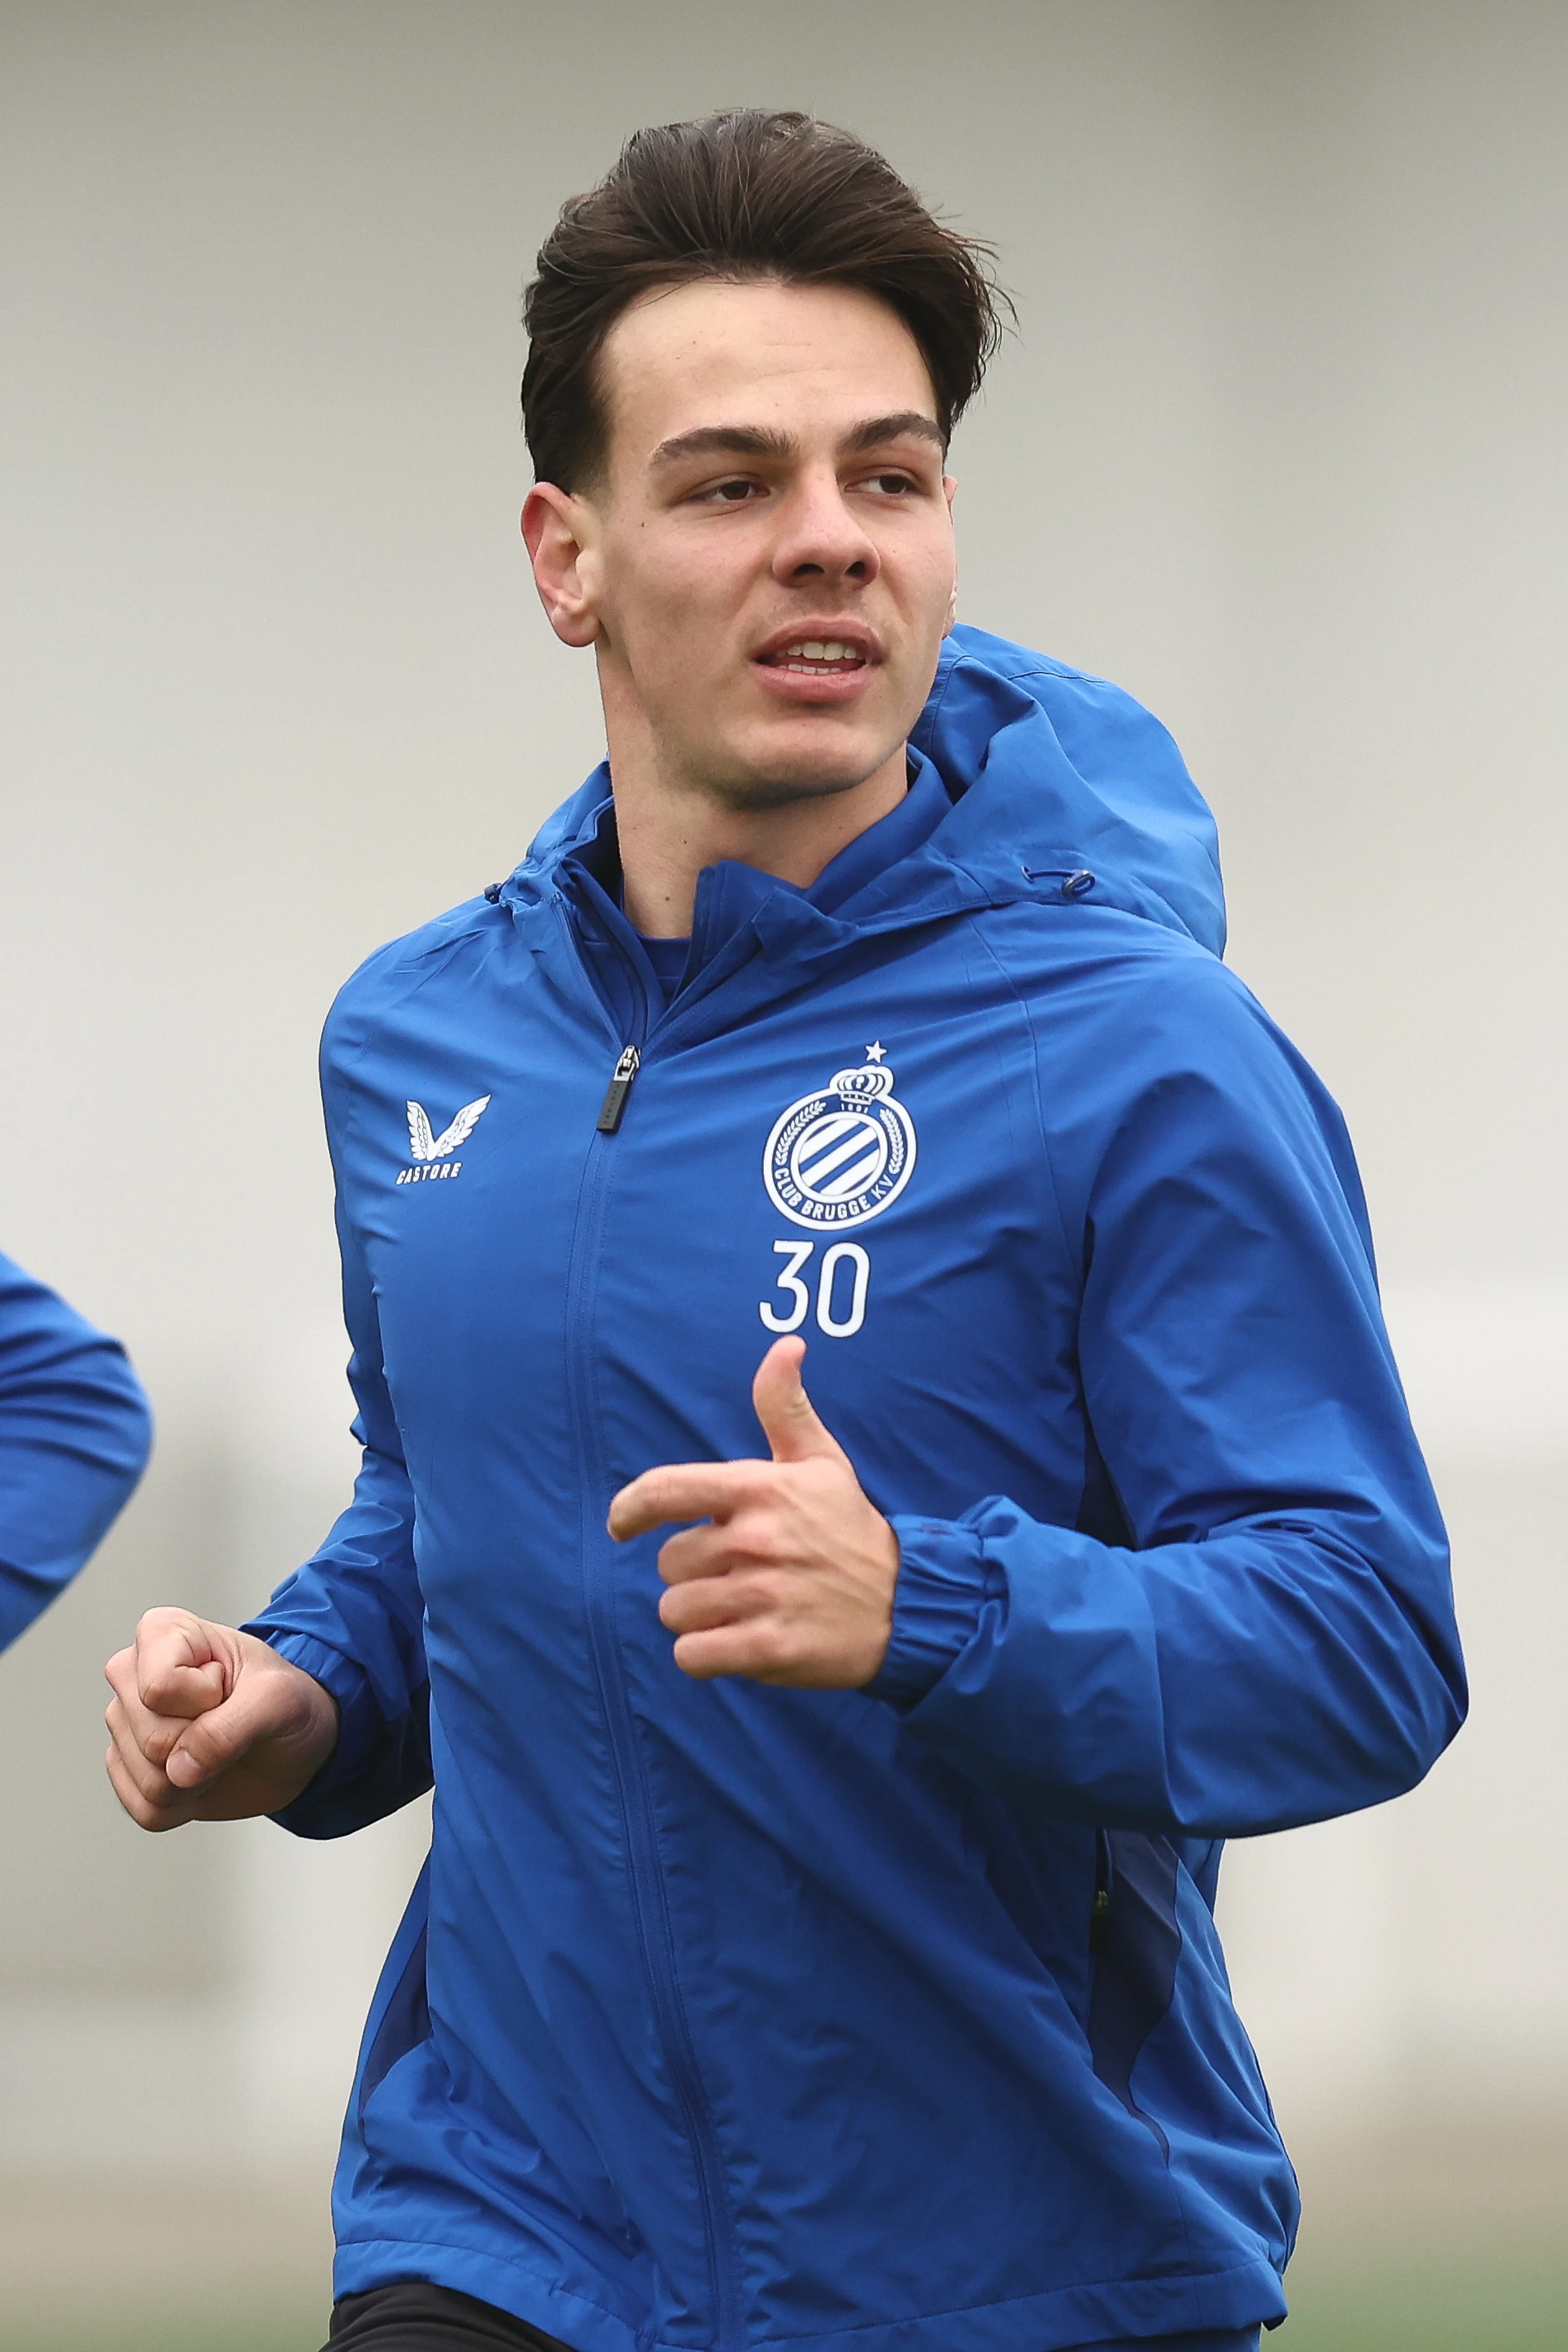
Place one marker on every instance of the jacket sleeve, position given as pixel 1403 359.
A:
pixel 1250 1626
pixel 353 1616
pixel 75 1434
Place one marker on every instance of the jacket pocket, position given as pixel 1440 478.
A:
pixel 1137 1943
pixel 405 2023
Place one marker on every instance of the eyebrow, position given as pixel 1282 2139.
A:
pixel 907 422
pixel 765 441
pixel 724 441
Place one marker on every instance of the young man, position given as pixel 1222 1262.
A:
pixel 816 1943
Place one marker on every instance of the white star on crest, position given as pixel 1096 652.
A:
pixel 877 1053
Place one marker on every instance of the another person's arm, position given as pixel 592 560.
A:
pixel 75 1433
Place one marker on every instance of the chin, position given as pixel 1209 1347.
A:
pixel 773 776
pixel 771 789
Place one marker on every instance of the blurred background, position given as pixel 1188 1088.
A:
pixel 1280 447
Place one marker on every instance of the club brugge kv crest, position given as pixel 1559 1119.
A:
pixel 837 1158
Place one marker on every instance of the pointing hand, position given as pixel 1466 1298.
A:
pixel 791 1577
pixel 210 1725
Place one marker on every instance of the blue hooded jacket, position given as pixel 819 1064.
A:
pixel 75 1433
pixel 726 2015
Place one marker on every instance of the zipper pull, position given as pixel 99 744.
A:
pixel 620 1086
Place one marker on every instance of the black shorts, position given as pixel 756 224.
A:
pixel 412 2317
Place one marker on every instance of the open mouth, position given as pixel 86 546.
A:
pixel 816 658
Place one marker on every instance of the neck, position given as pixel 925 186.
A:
pixel 668 833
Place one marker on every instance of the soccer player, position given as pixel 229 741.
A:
pixel 75 1433
pixel 816 1946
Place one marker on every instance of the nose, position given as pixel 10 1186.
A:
pixel 822 538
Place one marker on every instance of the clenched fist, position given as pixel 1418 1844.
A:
pixel 791 1577
pixel 210 1725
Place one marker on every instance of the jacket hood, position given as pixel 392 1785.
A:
pixel 1071 763
pixel 1057 778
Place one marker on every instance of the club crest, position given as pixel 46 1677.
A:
pixel 837 1158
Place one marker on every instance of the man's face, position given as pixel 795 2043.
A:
pixel 768 566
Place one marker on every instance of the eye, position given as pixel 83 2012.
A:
pixel 737 493
pixel 892 485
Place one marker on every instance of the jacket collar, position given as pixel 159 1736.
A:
pixel 1049 784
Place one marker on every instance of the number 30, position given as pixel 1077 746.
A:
pixel 835 1326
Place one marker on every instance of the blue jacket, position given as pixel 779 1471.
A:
pixel 726 2015
pixel 74 1437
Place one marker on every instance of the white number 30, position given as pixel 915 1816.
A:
pixel 842 1254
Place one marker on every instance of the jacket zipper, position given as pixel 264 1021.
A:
pixel 650 1906
pixel 612 1109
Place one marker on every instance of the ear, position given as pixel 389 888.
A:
pixel 558 530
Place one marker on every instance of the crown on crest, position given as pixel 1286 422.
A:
pixel 867 1086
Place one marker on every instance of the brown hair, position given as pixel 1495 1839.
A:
pixel 743 194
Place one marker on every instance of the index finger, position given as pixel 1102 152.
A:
pixel 174 1669
pixel 681 1491
pixel 155 1733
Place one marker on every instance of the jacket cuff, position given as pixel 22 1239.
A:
pixel 359 1724
pixel 944 1582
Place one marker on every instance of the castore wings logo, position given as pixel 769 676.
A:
pixel 431 1153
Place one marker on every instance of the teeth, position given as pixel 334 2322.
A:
pixel 820 649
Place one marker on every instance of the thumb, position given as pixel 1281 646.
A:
pixel 221 1736
pixel 788 1417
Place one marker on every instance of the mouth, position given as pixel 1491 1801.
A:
pixel 819 666
pixel 821 650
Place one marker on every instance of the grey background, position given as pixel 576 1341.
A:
pixel 1279 446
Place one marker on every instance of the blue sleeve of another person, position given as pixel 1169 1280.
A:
pixel 75 1434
